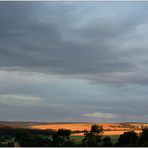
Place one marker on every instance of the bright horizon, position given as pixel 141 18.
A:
pixel 74 61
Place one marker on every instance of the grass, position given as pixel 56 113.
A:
pixel 114 138
pixel 78 139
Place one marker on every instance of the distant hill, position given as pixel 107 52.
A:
pixel 4 126
pixel 21 124
pixel 109 128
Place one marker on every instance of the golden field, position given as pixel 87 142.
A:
pixel 109 128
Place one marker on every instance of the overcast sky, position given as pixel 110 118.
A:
pixel 74 61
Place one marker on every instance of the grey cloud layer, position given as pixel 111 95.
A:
pixel 49 49
pixel 41 98
pixel 104 46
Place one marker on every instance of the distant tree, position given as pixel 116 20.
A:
pixel 64 133
pixel 25 139
pixel 107 141
pixel 61 137
pixel 129 138
pixel 93 137
pixel 144 137
pixel 41 141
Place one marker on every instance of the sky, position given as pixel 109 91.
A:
pixel 74 61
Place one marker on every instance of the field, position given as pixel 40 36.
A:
pixel 114 138
pixel 109 128
pixel 78 139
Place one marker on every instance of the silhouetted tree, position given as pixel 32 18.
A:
pixel 64 133
pixel 40 141
pixel 107 141
pixel 26 139
pixel 61 137
pixel 144 137
pixel 93 137
pixel 129 138
pixel 23 137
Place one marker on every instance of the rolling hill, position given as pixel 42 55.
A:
pixel 109 128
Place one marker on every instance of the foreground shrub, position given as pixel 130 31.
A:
pixel 107 141
pixel 128 139
pixel 144 137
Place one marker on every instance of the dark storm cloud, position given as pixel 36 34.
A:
pixel 72 39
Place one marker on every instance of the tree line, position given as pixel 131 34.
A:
pixel 62 138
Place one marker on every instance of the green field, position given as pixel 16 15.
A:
pixel 78 139
pixel 114 138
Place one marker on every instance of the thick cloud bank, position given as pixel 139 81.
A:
pixel 101 42
pixel 51 51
